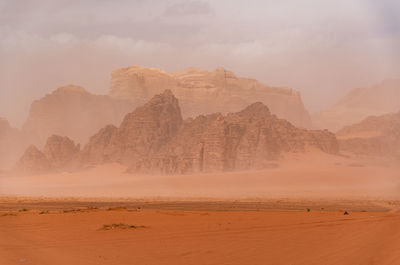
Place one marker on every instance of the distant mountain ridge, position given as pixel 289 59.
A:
pixel 374 136
pixel 360 103
pixel 72 111
pixel 155 139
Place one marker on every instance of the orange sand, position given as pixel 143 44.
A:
pixel 184 237
pixel 214 233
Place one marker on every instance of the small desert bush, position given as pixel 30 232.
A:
pixel 9 214
pixel 117 209
pixel 121 226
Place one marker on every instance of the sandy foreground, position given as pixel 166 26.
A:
pixel 115 235
pixel 290 214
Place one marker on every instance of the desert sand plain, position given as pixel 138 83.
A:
pixel 292 213
pixel 199 132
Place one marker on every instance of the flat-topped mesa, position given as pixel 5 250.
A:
pixel 139 84
pixel 203 92
pixel 374 136
pixel 74 112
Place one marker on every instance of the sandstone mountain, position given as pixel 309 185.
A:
pixel 374 136
pixel 203 92
pixel 360 103
pixel 58 154
pixel 249 139
pixel 71 111
pixel 60 150
pixel 34 161
pixel 155 139
pixel 13 142
pixel 141 134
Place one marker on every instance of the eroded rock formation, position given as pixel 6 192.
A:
pixel 58 154
pixel 154 139
pixel 141 134
pixel 33 161
pixel 60 150
pixel 203 92
pixel 72 111
pixel 374 136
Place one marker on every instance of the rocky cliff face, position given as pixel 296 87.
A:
pixel 58 154
pixel 141 134
pixel 203 92
pixel 374 136
pixel 360 103
pixel 98 150
pixel 154 139
pixel 60 151
pixel 71 111
pixel 245 140
pixel 33 161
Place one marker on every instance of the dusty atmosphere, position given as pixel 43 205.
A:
pixel 200 132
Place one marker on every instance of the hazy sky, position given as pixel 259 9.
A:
pixel 321 48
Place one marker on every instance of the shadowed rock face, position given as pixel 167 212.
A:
pixel 97 151
pixel 58 154
pixel 203 92
pixel 60 150
pixel 245 140
pixel 141 134
pixel 71 111
pixel 376 135
pixel 154 139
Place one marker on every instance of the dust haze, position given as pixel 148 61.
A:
pixel 322 50
pixel 200 132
